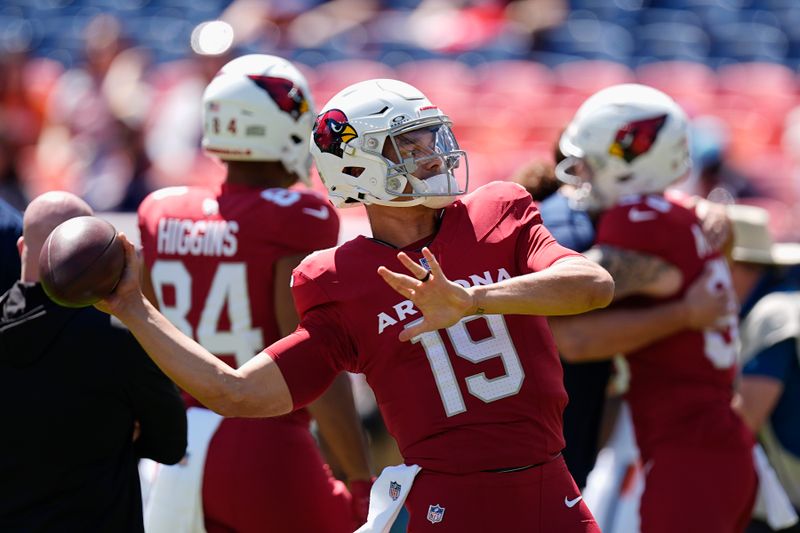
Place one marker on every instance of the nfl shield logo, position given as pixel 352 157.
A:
pixel 435 513
pixel 394 490
pixel 424 263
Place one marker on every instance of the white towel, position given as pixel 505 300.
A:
pixel 771 496
pixel 175 500
pixel 387 496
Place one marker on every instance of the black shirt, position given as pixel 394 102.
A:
pixel 72 383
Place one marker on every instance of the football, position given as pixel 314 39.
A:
pixel 81 262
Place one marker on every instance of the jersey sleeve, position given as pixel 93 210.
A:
pixel 504 210
pixel 311 357
pixel 306 290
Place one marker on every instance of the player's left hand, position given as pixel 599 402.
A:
pixel 442 302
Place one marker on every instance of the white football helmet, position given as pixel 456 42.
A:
pixel 259 108
pixel 383 142
pixel 627 139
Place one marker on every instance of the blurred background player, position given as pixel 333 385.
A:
pixel 589 416
pixel 87 403
pixel 625 146
pixel 382 143
pixel 769 385
pixel 220 262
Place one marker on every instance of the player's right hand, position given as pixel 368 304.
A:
pixel 128 290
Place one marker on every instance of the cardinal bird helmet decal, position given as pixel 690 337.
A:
pixel 259 108
pixel 383 142
pixel 288 96
pixel 332 130
pixel 626 139
pixel 636 138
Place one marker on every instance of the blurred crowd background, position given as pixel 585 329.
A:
pixel 102 97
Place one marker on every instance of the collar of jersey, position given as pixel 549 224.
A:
pixel 416 246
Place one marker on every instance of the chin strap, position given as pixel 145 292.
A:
pixel 440 184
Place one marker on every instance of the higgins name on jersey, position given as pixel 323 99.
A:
pixel 184 236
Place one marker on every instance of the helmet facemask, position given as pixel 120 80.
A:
pixel 383 142
pixel 581 173
pixel 423 163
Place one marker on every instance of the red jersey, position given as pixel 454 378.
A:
pixel 211 256
pixel 487 392
pixel 681 387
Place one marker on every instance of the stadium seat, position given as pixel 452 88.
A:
pixel 790 22
pixel 513 75
pixel 588 38
pixel 317 56
pixel 756 15
pixel 751 133
pixel 668 41
pixel 749 41
pixel 445 82
pixel 333 76
pixel 693 85
pixel 772 87
pixel 772 5
pixel 392 52
pixel 526 85
pixel 664 14
pixel 783 219
pixel 553 59
pixel 620 12
pixel 774 172
pixel 757 79
pixel 436 74
pixel 582 78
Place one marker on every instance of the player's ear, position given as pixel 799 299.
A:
pixel 20 245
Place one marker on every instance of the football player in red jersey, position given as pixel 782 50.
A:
pixel 625 146
pixel 457 350
pixel 220 264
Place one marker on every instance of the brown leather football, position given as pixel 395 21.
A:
pixel 81 262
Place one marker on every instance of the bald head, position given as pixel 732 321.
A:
pixel 41 217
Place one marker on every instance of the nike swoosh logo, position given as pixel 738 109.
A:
pixel 635 215
pixel 322 213
pixel 571 503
